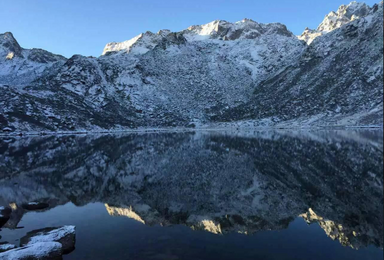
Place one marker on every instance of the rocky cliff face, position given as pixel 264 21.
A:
pixel 208 75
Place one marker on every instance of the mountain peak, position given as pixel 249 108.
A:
pixel 344 15
pixel 9 34
pixel 247 20
pixel 215 30
pixel 244 29
pixel 334 20
pixel 354 8
pixel 164 32
pixel 143 42
pixel 19 66
pixel 9 47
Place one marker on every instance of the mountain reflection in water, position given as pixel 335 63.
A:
pixel 219 182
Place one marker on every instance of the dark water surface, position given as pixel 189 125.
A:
pixel 204 195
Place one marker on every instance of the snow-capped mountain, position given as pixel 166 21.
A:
pixel 220 30
pixel 20 66
pixel 345 14
pixel 220 73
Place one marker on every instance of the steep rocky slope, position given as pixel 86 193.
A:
pixel 337 81
pixel 208 75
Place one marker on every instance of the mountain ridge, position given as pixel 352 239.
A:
pixel 218 29
pixel 242 74
pixel 344 15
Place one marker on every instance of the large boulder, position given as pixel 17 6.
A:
pixel 64 235
pixel 37 251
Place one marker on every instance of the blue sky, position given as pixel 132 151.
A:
pixel 70 27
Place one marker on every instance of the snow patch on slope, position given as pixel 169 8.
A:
pixel 33 251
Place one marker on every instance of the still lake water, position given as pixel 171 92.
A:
pixel 201 195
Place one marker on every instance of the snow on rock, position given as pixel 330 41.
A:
pixel 223 30
pixel 139 45
pixel 64 235
pixel 344 15
pixel 6 246
pixel 310 35
pixel 354 10
pixel 21 66
pixel 45 250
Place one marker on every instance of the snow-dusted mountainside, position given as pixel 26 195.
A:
pixel 338 80
pixel 213 74
pixel 20 66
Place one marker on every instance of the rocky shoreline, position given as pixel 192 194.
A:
pixel 47 243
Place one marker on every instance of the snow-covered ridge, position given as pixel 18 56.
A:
pixel 345 14
pixel 147 39
pixel 54 235
pixel 20 66
pixel 245 29
pixel 216 30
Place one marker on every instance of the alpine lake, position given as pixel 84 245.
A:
pixel 281 194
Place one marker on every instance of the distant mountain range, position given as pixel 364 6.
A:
pixel 221 74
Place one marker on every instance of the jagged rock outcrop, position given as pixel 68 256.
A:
pixel 19 67
pixel 345 14
pixel 245 29
pixel 10 48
